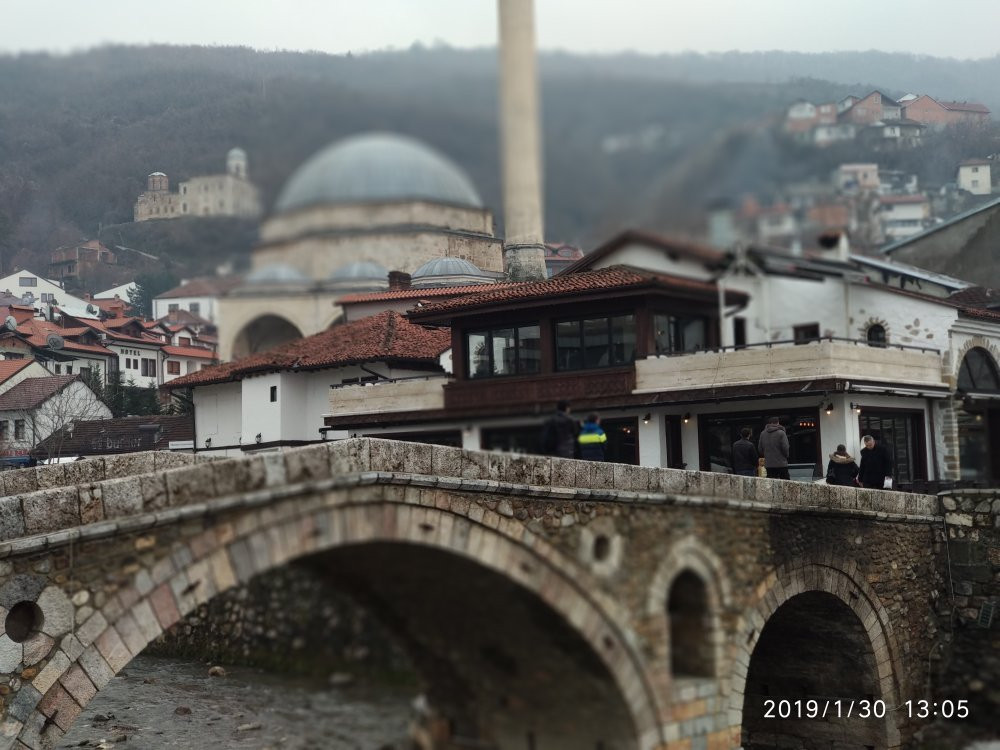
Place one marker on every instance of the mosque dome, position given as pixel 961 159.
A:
pixel 377 167
pixel 276 273
pixel 447 267
pixel 361 270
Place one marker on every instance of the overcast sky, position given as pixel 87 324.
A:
pixel 956 28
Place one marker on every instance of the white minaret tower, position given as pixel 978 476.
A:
pixel 520 143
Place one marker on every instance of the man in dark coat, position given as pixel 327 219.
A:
pixel 842 470
pixel 876 464
pixel 559 433
pixel 773 446
pixel 745 455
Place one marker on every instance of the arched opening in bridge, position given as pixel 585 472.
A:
pixel 690 627
pixel 23 621
pixel 263 334
pixel 813 648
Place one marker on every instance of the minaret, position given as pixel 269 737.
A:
pixel 520 143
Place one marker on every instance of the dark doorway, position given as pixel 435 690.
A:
pixel 623 440
pixel 675 450
pixel 902 432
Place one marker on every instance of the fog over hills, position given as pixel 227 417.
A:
pixel 629 139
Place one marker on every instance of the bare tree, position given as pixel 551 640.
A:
pixel 48 426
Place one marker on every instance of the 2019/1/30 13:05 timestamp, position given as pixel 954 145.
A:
pixel 862 709
pixel 946 709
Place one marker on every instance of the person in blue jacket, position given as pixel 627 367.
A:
pixel 592 439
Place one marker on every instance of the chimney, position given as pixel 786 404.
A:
pixel 399 280
pixel 520 143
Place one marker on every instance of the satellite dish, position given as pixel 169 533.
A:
pixel 10 323
pixel 54 341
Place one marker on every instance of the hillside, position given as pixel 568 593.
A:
pixel 623 133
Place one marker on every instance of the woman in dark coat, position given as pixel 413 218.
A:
pixel 842 470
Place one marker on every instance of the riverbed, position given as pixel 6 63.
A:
pixel 169 703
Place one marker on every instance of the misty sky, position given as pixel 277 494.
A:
pixel 957 28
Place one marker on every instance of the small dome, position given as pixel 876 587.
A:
pixel 157 174
pixel 447 267
pixel 377 167
pixel 361 270
pixel 236 153
pixel 276 273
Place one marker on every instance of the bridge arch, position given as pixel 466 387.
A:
pixel 851 605
pixel 262 334
pixel 233 550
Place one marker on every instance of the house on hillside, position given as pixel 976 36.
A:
pixel 939 114
pixel 197 296
pixel 875 107
pixel 71 263
pixel 975 176
pixel 37 290
pixel 903 215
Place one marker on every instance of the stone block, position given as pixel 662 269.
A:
pixel 23 703
pixel 274 469
pixel 96 668
pixel 191 484
pixel 51 673
pixel 91 503
pixel 602 475
pixel 51 510
pixel 87 471
pixel 78 684
pixel 11 518
pixel 20 481
pixel 50 476
pixel 350 456
pixel 673 481
pixel 91 628
pixel 145 618
pixel 130 633
pixel 22 587
pixel 531 470
pixel 163 460
pixel 307 464
pixel 446 461
pixel 128 464
pixel 60 707
pixel 71 646
pixel 121 497
pixel 11 655
pixel 563 472
pixel 475 464
pixel 153 492
pixel 113 649
pixel 164 605
pixel 57 611
pixel 37 648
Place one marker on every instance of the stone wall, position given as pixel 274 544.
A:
pixel 967 666
pixel 290 620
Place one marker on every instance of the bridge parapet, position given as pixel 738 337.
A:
pixel 143 484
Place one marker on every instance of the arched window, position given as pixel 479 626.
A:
pixel 690 627
pixel 978 372
pixel 876 335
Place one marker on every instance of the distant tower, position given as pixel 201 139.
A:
pixel 157 182
pixel 236 163
pixel 520 143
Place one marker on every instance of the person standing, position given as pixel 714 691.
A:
pixel 842 470
pixel 592 439
pixel 875 471
pixel 745 455
pixel 773 446
pixel 559 433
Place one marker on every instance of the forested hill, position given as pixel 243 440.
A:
pixel 79 133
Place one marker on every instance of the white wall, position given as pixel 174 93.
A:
pixel 217 415
pixel 137 352
pixel 655 259
pixel 206 306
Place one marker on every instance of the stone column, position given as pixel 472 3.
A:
pixel 520 143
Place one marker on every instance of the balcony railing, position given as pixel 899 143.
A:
pixel 776 361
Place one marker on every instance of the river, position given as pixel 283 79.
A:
pixel 171 703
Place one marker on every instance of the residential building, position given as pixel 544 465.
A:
pixel 38 291
pixel 280 397
pixel 975 176
pixel 852 178
pixel 899 133
pixel 824 135
pixel 559 256
pixel 868 110
pixel 229 194
pixel 940 114
pixel 35 407
pixel 83 438
pixel 903 215
pixel 122 291
pixel 71 263
pixel 199 296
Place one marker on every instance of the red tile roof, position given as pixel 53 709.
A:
pixel 976 163
pixel 386 337
pixel 10 367
pixel 415 294
pixel 102 436
pixel 189 351
pixel 205 286
pixel 570 284
pixel 965 107
pixel 31 392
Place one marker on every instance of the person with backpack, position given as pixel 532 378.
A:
pixel 592 439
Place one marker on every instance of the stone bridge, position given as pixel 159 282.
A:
pixel 547 603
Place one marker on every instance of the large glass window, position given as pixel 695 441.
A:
pixel 595 342
pixel 978 372
pixel 514 350
pixel 674 334
pixel 717 433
